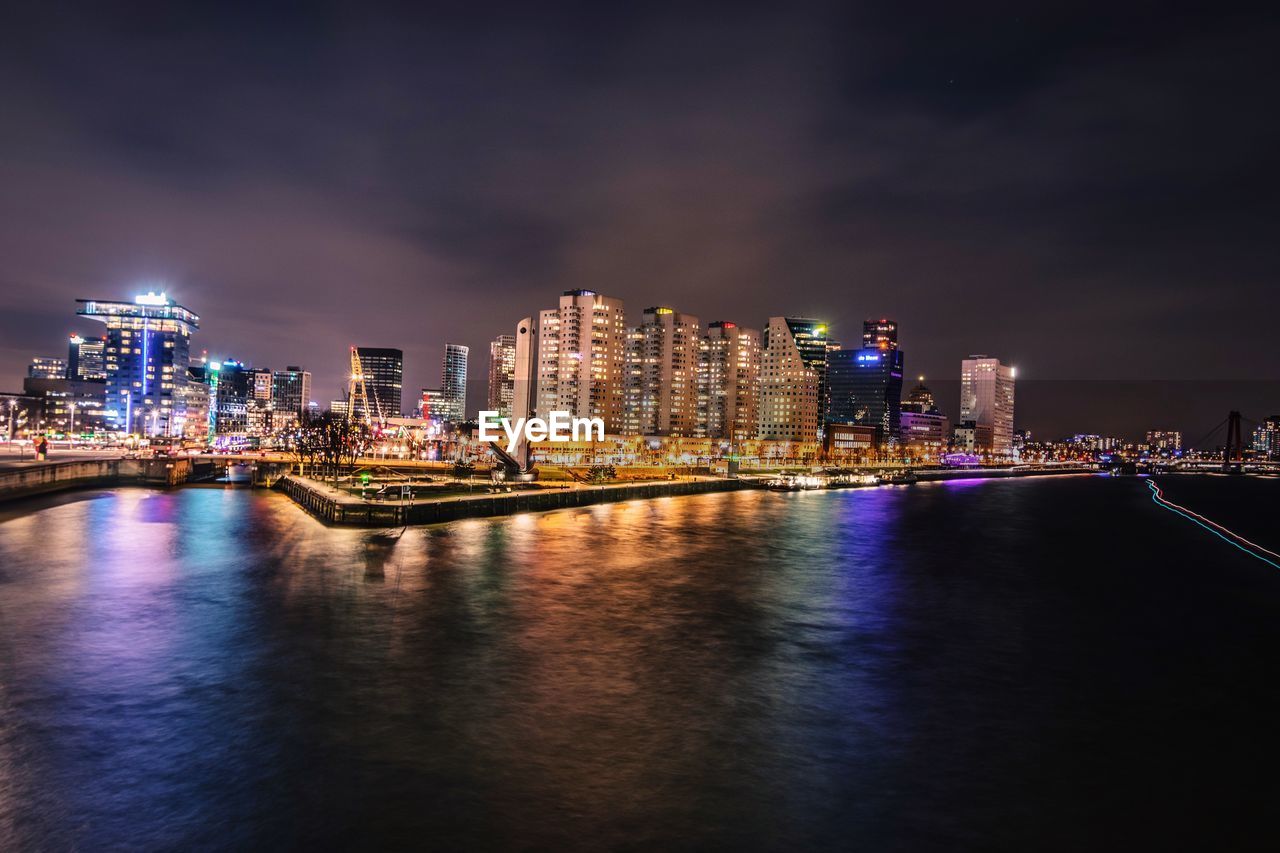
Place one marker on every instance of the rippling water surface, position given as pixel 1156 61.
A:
pixel 1037 664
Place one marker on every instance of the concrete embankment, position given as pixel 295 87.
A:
pixel 985 473
pixel 42 478
pixel 337 508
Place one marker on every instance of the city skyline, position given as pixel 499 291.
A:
pixel 1058 409
pixel 939 188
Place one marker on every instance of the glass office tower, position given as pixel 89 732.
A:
pixel 147 355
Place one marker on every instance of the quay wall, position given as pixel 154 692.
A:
pixel 984 473
pixel 336 509
pixel 43 478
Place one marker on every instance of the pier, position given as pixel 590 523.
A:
pixel 336 507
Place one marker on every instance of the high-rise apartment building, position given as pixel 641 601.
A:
pixel 453 383
pixel 146 361
pixel 260 407
pixel 290 395
pixel 1164 441
pixel 865 385
pixel 661 375
pixel 1266 438
pixel 986 400
pixel 729 382
pixel 86 358
pixel 231 387
pixel 383 370
pixel 198 401
pixel 793 379
pixel 502 374
pixel 581 366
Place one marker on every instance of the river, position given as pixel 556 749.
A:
pixel 1047 663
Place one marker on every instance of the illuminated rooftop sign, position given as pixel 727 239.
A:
pixel 151 298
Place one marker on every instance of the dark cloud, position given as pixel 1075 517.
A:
pixel 1090 193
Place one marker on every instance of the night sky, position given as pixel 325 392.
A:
pixel 1088 193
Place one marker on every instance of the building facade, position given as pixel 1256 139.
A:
pixel 147 355
pixel 432 405
pixel 453 383
pixel 502 375
pixel 793 379
pixel 68 405
pixel 199 424
pixel 43 367
pixel 1266 438
pixel 729 382
pixel 1163 441
pixel 260 407
pixel 383 370
pixel 986 400
pixel 290 395
pixel 581 365
pixel 231 386
pixel 923 431
pixel 86 358
pixel 865 385
pixel 662 375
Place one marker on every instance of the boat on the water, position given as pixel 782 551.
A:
pixel 852 481
pixel 240 472
pixel 793 483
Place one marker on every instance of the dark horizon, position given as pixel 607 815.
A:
pixel 1089 195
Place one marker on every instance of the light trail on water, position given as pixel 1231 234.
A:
pixel 1228 536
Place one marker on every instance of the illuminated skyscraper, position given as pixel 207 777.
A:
pixel 260 411
pixel 502 374
pixel 201 378
pixel 232 387
pixel 1266 438
pixel 865 385
pixel 383 370
pixel 86 358
pixel 879 334
pixel 661 375
pixel 1167 442
pixel 146 361
pixel 290 395
pixel 986 400
pixel 729 382
pixel 453 383
pixel 793 379
pixel 581 365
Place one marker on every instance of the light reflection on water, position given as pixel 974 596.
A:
pixel 937 666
